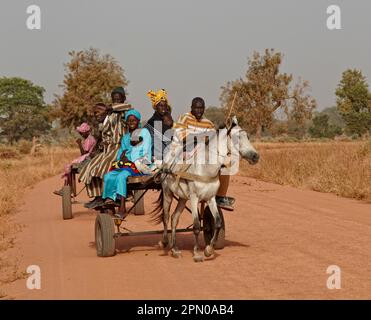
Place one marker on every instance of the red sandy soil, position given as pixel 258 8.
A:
pixel 279 243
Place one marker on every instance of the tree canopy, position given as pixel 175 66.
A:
pixel 321 127
pixel 216 115
pixel 264 91
pixel 23 112
pixel 89 79
pixel 354 102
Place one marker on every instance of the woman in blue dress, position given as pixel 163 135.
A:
pixel 133 158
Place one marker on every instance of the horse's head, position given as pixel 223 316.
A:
pixel 240 141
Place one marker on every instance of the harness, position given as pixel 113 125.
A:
pixel 183 173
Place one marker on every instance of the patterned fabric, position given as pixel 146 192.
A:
pixel 95 187
pixel 188 124
pixel 112 131
pixel 117 165
pixel 157 97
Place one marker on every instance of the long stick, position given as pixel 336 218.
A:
pixel 231 107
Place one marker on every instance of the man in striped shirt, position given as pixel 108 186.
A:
pixel 194 123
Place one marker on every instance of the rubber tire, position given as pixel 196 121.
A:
pixel 208 229
pixel 139 208
pixel 104 235
pixel 66 203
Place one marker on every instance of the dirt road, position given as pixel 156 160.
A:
pixel 280 242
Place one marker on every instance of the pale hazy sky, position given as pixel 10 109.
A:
pixel 189 47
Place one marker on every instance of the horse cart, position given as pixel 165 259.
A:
pixel 108 227
pixel 69 196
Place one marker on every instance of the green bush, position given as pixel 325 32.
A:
pixel 322 129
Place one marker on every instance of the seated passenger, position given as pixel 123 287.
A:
pixel 87 146
pixel 160 122
pixel 111 130
pixel 133 158
pixel 193 123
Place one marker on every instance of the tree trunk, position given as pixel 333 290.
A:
pixel 258 134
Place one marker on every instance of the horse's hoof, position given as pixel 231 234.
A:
pixel 162 244
pixel 198 258
pixel 209 251
pixel 176 254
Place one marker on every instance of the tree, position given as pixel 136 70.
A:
pixel 297 129
pixel 335 117
pixel 216 115
pixel 265 91
pixel 354 102
pixel 89 79
pixel 321 127
pixel 23 113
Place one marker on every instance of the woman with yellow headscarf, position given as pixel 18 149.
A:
pixel 160 122
pixel 159 99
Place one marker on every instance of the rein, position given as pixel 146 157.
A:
pixel 193 177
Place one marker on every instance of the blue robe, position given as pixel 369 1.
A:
pixel 115 182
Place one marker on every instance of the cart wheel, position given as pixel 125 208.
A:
pixel 139 207
pixel 66 203
pixel 208 228
pixel 104 235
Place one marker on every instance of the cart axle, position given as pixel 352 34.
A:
pixel 143 233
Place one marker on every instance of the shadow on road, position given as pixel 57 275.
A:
pixel 150 243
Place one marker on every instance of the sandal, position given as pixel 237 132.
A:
pixel 58 192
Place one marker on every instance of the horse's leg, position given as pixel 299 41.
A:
pixel 174 222
pixel 209 250
pixel 197 257
pixel 168 198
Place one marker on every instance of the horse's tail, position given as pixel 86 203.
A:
pixel 158 212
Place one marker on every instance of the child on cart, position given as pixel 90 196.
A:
pixel 87 146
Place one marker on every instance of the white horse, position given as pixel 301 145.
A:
pixel 198 181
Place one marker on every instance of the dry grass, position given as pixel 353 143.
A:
pixel 18 172
pixel 343 168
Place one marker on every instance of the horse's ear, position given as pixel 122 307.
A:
pixel 234 121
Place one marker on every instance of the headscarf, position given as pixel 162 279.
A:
pixel 157 97
pixel 133 112
pixel 136 114
pixel 119 90
pixel 84 127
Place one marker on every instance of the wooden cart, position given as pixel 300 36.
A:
pixel 106 222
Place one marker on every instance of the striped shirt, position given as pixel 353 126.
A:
pixel 112 132
pixel 188 124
